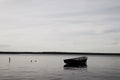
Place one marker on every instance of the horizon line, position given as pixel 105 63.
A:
pixel 57 52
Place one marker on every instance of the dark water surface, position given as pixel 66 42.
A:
pixel 51 67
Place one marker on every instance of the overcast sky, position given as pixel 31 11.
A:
pixel 60 25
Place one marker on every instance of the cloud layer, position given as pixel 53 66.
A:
pixel 60 25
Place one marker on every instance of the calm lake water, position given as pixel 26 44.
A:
pixel 51 67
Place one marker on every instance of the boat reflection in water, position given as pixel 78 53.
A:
pixel 75 67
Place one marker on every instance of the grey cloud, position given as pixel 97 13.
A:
pixel 4 45
pixel 116 43
pixel 114 30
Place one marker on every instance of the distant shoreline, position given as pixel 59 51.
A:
pixel 66 53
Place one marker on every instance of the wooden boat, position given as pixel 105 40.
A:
pixel 76 61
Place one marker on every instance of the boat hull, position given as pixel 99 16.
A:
pixel 76 61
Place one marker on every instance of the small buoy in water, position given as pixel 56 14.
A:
pixel 9 59
pixel 30 60
pixel 35 60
